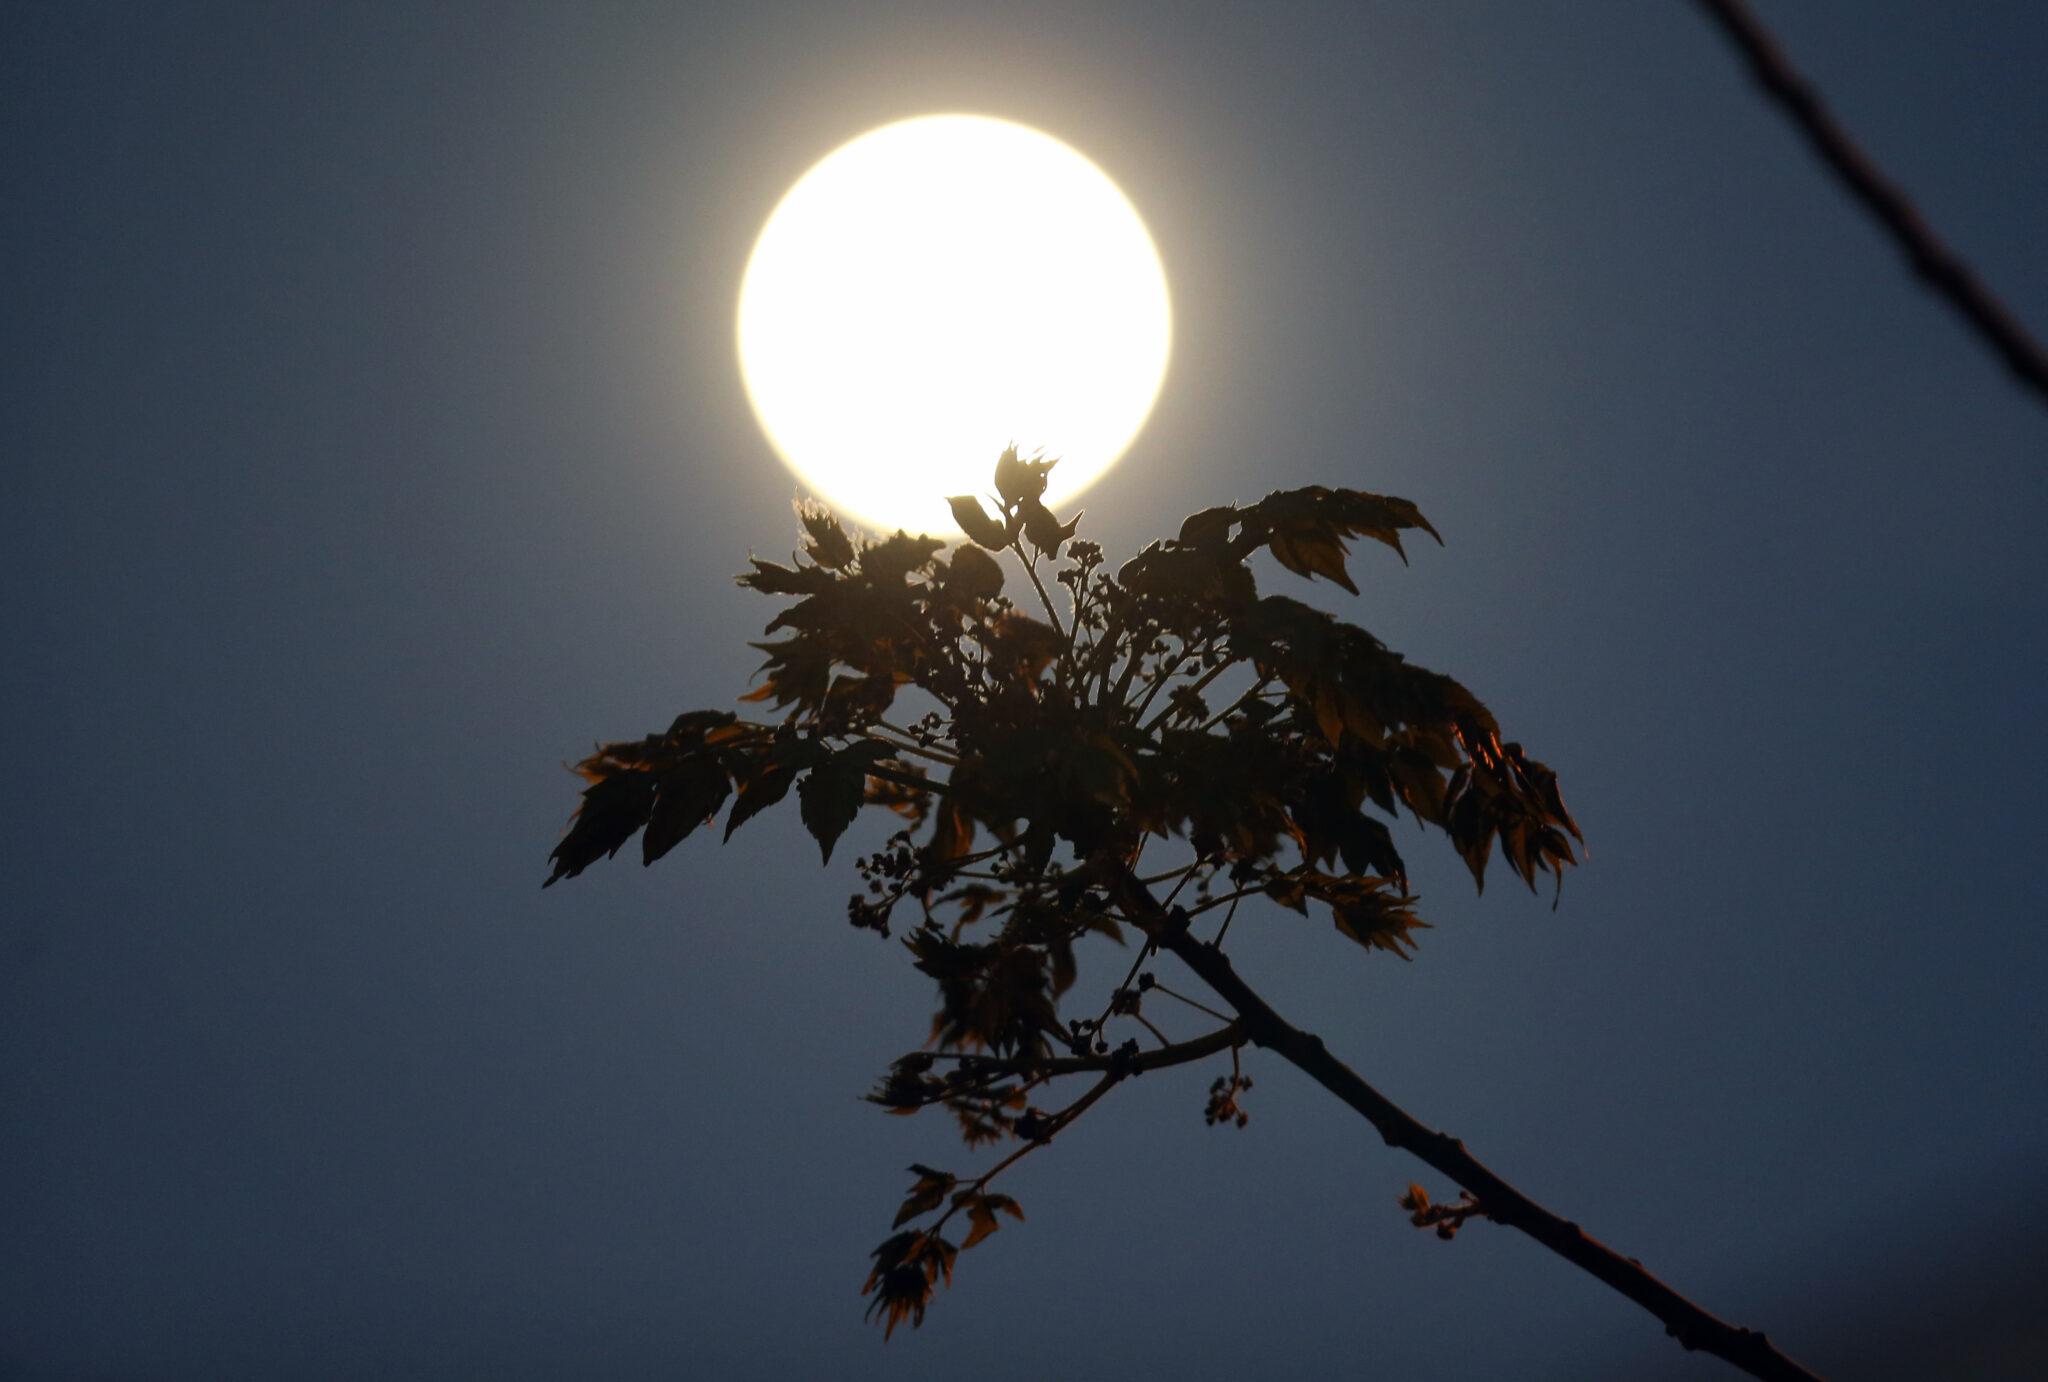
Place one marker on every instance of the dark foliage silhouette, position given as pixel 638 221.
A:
pixel 1108 776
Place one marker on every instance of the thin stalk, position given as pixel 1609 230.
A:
pixel 1164 1040
pixel 1031 570
pixel 1200 1007
pixel 921 784
pixel 913 748
pixel 1197 687
pixel 1228 917
pixel 909 734
pixel 1233 898
pixel 1253 694
pixel 1159 680
pixel 1202 1047
pixel 1145 953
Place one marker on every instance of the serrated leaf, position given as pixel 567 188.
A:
pixel 983 1220
pixel 829 545
pixel 1305 528
pixel 922 1200
pixel 929 1193
pixel 892 559
pixel 687 798
pixel 1311 549
pixel 1018 480
pixel 832 793
pixel 613 808
pixel 758 793
pixel 1378 922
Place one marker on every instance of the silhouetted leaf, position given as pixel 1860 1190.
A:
pixel 770 579
pixel 1194 573
pixel 1208 528
pixel 975 522
pixel 693 725
pixel 829 545
pixel 613 808
pixel 981 1213
pixel 757 794
pixel 974 575
pixel 799 673
pixel 830 796
pixel 906 1269
pixel 1378 922
pixel 1019 480
pixel 1321 516
pixel 686 798
pixel 928 1194
pixel 912 803
pixel 1025 644
pixel 896 557
pixel 1045 531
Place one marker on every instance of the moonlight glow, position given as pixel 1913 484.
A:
pixel 937 290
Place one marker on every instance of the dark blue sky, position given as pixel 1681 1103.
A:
pixel 373 442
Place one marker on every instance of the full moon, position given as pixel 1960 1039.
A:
pixel 937 290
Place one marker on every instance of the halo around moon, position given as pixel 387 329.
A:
pixel 939 289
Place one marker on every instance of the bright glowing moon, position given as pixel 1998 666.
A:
pixel 937 290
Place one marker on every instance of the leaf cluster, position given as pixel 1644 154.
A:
pixel 1056 741
pixel 909 1264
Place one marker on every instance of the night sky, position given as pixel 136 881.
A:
pixel 374 442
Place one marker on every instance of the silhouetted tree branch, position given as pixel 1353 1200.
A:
pixel 1259 744
pixel 1494 1198
pixel 1931 259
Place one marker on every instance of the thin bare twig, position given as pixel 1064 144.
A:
pixel 1204 1007
pixel 1931 259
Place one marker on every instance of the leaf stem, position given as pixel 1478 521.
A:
pixel 1228 916
pixel 911 780
pixel 1056 1124
pixel 1249 696
pixel 1197 688
pixel 1145 952
pixel 1140 1019
pixel 1202 1007
pixel 913 748
pixel 1053 1067
pixel 1031 570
